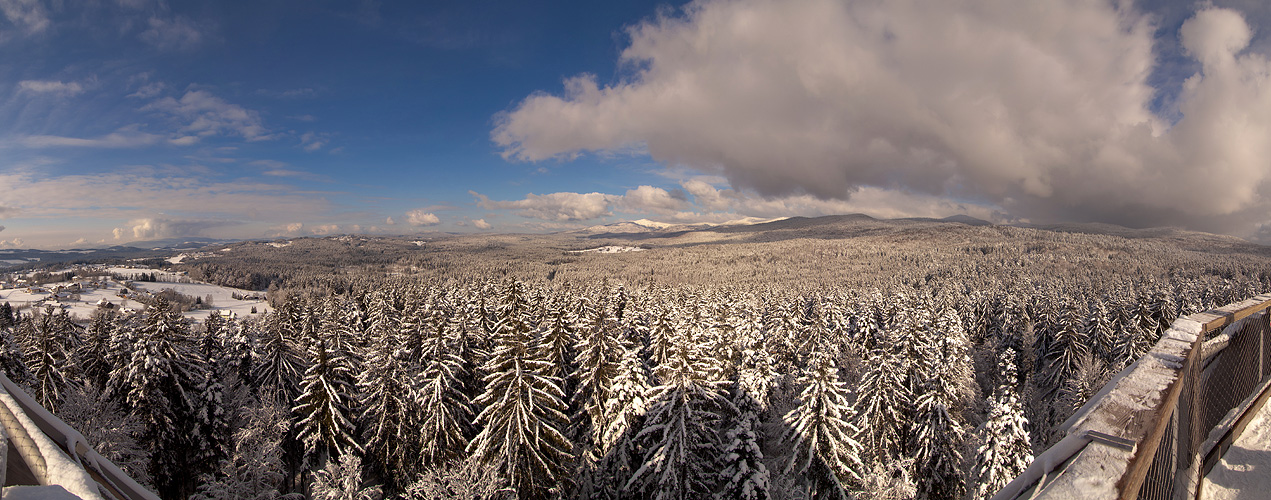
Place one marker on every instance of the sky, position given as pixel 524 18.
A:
pixel 135 120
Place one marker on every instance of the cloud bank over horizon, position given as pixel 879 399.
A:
pixel 1042 110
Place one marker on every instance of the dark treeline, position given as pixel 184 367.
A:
pixel 424 388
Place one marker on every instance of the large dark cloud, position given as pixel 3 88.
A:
pixel 1044 108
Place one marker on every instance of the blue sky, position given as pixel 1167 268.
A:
pixel 126 120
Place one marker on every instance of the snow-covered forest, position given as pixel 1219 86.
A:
pixel 939 382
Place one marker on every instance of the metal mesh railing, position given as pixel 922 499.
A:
pixel 1225 369
pixel 1161 424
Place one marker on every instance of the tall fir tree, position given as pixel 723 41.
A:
pixel 599 352
pixel 324 409
pixel 158 384
pixel 681 447
pixel 826 450
pixel 445 413
pixel 387 405
pixel 1005 450
pixel 523 418
pixel 882 397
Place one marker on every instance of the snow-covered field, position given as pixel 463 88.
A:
pixel 84 303
pixel 610 249
pixel 222 297
pixel 1245 470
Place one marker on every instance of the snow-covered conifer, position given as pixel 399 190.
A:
pixel 48 339
pixel 743 473
pixel 445 413
pixel 937 441
pixel 387 406
pixel 91 356
pixel 157 385
pixel 254 470
pixel 342 480
pixel 325 405
pixel 826 450
pixel 1005 450
pixel 882 398
pixel 278 364
pixel 522 420
pixel 599 352
pixel 679 437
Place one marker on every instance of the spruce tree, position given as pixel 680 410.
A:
pixel 1005 449
pixel 679 437
pixel 881 400
pixel 91 356
pixel 445 413
pixel 158 384
pixel 48 339
pixel 743 473
pixel 937 442
pixel 523 418
pixel 624 411
pixel 826 450
pixel 325 406
pixel 388 408
pixel 599 352
pixel 278 364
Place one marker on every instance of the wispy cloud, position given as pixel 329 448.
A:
pixel 155 228
pixel 29 15
pixel 128 137
pixel 206 114
pixel 142 193
pixel 177 33
pixel 701 201
pixel 51 87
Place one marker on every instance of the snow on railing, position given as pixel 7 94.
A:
pixel 58 455
pixel 1141 435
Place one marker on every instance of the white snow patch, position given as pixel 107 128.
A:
pixel 1245 470
pixel 609 249
pixel 276 244
pixel 222 297
pixel 177 259
pixel 37 493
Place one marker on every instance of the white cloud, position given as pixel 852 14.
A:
pixel 565 206
pixel 139 193
pixel 713 204
pixel 149 90
pixel 128 137
pixel 169 34
pixel 652 199
pixel 154 228
pixel 390 221
pixel 325 229
pixel 206 114
pixel 1041 107
pixel 481 224
pixel 29 15
pixel 560 207
pixel 312 142
pixel 422 218
pixel 51 87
